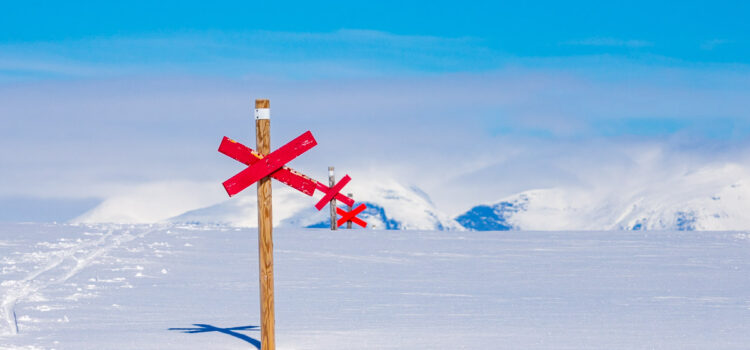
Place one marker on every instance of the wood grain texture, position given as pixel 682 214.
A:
pixel 349 223
pixel 265 237
pixel 262 104
pixel 331 184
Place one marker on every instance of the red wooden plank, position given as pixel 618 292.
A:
pixel 286 175
pixel 339 197
pixel 238 151
pixel 296 180
pixel 355 220
pixel 274 161
pixel 333 192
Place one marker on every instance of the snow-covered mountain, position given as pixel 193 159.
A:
pixel 707 199
pixel 710 198
pixel 390 205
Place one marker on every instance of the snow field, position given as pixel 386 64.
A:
pixel 193 287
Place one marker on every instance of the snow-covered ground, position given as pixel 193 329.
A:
pixel 192 287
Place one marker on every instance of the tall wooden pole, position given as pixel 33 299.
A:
pixel 349 223
pixel 265 228
pixel 331 183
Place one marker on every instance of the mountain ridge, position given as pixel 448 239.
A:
pixel 710 198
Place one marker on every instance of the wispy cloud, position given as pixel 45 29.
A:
pixel 610 42
pixel 292 54
pixel 714 43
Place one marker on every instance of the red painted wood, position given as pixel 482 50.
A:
pixel 296 180
pixel 355 220
pixel 333 192
pixel 286 175
pixel 238 151
pixel 339 197
pixel 351 216
pixel 270 163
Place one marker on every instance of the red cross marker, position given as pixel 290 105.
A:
pixel 270 163
pixel 351 216
pixel 325 189
pixel 247 156
pixel 332 192
pixel 287 175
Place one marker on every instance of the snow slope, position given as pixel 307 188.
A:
pixel 707 199
pixel 195 287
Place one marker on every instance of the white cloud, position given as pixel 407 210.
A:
pixel 153 202
pixel 464 138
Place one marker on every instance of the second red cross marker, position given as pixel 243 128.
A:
pixel 332 192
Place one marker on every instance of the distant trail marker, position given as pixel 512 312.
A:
pixel 332 204
pixel 351 216
pixel 332 192
pixel 261 167
pixel 349 223
pixel 344 199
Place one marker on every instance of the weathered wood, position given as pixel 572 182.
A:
pixel 331 184
pixel 262 103
pixel 349 222
pixel 265 236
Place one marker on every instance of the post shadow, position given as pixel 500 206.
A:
pixel 203 328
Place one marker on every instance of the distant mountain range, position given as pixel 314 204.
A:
pixel 709 199
pixel 390 206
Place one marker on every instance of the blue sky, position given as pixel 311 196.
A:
pixel 116 95
pixel 693 31
pixel 472 36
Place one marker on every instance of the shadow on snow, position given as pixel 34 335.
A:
pixel 203 328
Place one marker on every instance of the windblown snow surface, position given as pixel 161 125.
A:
pixel 196 287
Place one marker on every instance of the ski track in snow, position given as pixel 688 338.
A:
pixel 61 265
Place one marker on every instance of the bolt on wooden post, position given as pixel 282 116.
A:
pixel 331 183
pixel 265 228
pixel 349 223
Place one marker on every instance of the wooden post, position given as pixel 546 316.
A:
pixel 331 183
pixel 265 229
pixel 349 223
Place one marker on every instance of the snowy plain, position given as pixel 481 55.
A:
pixel 195 287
